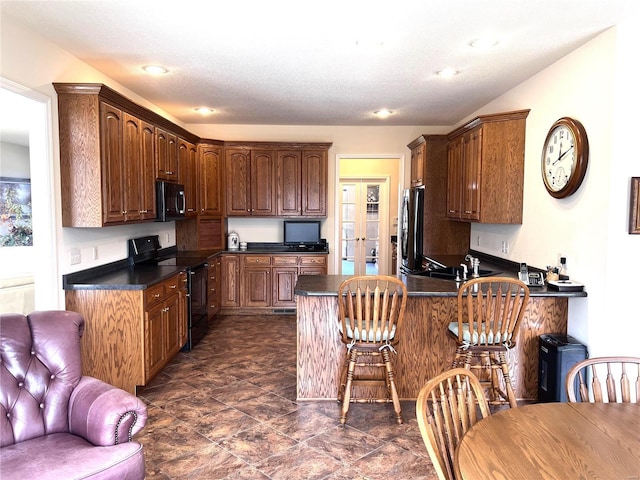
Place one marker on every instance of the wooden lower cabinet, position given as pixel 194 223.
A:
pixel 283 282
pixel 213 286
pixel 230 281
pixel 130 335
pixel 263 282
pixel 255 282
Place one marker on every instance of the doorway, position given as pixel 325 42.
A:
pixel 363 213
pixel 28 113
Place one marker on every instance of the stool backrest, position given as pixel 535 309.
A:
pixel 447 407
pixel 605 379
pixel 491 309
pixel 371 309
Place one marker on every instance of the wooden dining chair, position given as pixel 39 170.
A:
pixel 490 310
pixel 447 407
pixel 594 380
pixel 371 310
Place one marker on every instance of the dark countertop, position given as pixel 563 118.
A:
pixel 271 247
pixel 417 286
pixel 121 275
pixel 137 278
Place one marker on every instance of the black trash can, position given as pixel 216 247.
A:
pixel 557 354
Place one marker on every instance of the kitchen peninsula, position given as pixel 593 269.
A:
pixel 425 349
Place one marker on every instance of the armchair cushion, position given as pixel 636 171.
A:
pixel 54 422
pixel 65 456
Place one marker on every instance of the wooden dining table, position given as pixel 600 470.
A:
pixel 554 441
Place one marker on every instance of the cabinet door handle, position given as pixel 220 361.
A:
pixel 174 286
pixel 157 295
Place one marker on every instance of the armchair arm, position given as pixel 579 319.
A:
pixel 103 414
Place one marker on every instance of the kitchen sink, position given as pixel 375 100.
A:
pixel 449 273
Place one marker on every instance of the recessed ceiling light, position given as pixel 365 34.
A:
pixel 383 113
pixel 155 69
pixel 484 43
pixel 448 72
pixel 204 110
pixel 370 42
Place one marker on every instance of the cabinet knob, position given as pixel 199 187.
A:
pixel 174 286
pixel 157 295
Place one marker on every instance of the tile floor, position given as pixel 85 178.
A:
pixel 227 410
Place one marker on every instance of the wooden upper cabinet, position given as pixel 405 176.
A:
pixel 276 179
pixel 166 155
pixel 188 175
pixel 262 191
pixel 237 181
pixel 111 141
pixel 139 180
pixel 454 182
pixel 301 177
pixel 314 183
pixel 110 151
pixel 210 176
pixel 249 183
pixel 441 235
pixel 417 162
pixel 486 169
pixel 289 178
pixel 147 172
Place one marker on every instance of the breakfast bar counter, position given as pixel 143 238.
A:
pixel 424 350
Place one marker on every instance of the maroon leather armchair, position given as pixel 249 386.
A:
pixel 56 423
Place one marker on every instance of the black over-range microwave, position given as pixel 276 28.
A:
pixel 170 203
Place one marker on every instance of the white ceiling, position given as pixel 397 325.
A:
pixel 296 62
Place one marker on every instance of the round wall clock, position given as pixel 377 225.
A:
pixel 564 157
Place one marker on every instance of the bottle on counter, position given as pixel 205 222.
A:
pixel 563 272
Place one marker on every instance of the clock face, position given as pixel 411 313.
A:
pixel 564 157
pixel 560 155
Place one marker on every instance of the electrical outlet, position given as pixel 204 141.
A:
pixel 74 256
pixel 478 241
pixel 505 246
pixel 95 253
pixel 168 238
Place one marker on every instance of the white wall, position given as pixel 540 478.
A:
pixel 14 160
pixel 594 85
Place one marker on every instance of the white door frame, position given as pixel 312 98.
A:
pixel 383 230
pixel 336 217
pixel 46 230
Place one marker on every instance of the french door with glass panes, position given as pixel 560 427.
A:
pixel 363 222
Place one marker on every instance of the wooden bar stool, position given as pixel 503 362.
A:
pixel 371 310
pixel 490 310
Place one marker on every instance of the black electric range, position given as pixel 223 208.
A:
pixel 147 251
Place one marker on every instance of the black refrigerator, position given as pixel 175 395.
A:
pixel 412 229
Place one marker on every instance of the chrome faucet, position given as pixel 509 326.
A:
pixel 474 265
pixel 464 271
